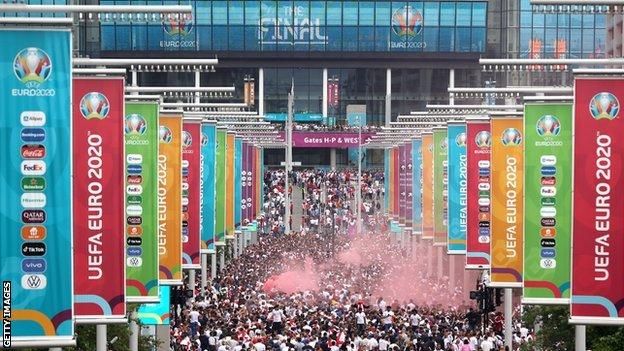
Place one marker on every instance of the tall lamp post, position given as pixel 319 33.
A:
pixel 358 193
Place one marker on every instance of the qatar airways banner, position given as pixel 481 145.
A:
pixel 327 139
pixel 440 183
pixel 597 240
pixel 191 164
pixel 457 184
pixel 98 197
pixel 208 186
pixel 417 204
pixel 427 185
pixel 478 143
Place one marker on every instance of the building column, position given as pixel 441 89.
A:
pixel 325 99
pixel 332 158
pixel 388 96
pixel 261 91
pixel 451 85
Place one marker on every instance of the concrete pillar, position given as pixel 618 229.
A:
pixel 221 252
pixel 261 91
pixel 451 85
pixel 213 263
pixel 388 96
pixel 100 337
pixel 163 336
pixel 204 272
pixel 580 338
pixel 508 309
pixel 191 275
pixel 325 98
pixel 134 332
pixel 332 158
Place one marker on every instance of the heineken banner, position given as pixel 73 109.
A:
pixel 35 188
pixel 417 204
pixel 408 187
pixel 547 169
pixel 191 164
pixel 597 240
pixel 238 174
pixel 427 185
pixel 478 143
pixel 170 200
pixel 156 313
pixel 229 185
pixel 141 129
pixel 440 183
pixel 98 198
pixel 507 209
pixel 457 184
pixel 220 186
pixel 208 190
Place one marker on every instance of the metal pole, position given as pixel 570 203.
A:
pixel 261 91
pixel 135 81
pixel 100 337
pixel 358 192
pixel 508 315
pixel 134 332
pixel 213 264
pixel 579 337
pixel 388 96
pixel 222 257
pixel 192 281
pixel 204 272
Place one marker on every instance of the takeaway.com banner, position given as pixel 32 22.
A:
pixel 598 225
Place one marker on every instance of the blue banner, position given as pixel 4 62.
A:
pixel 416 186
pixel 35 183
pixel 156 313
pixel 238 170
pixel 208 189
pixel 457 184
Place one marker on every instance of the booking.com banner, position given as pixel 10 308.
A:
pixel 35 187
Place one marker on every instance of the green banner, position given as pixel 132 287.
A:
pixel 548 202
pixel 440 152
pixel 141 134
pixel 220 175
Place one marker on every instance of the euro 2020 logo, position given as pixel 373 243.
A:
pixel 165 135
pixel 187 139
pixel 511 137
pixel 32 66
pixel 548 126
pixel 604 106
pixel 135 124
pixel 204 139
pixel 460 140
pixel 94 105
pixel 407 21
pixel 483 139
pixel 444 144
pixel 181 28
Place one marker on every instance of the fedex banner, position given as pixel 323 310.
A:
pixel 191 158
pixel 478 142
pixel 417 203
pixel 427 185
pixel 440 182
pixel 457 185
pixel 208 186
pixel 597 240
pixel 327 139
pixel 99 228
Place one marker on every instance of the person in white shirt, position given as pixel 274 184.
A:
pixel 383 344
pixel 277 316
pixel 194 319
pixel 387 317
pixel 360 320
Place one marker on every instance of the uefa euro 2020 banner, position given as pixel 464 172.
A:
pixel 409 165
pixel 547 186
pixel 478 231
pixel 427 185
pixel 597 240
pixel 141 136
pixel 170 199
pixel 440 182
pixel 208 194
pixel 156 313
pixel 457 184
pixel 35 187
pixel 98 199
pixel 220 186
pixel 417 203
pixel 507 189
pixel 238 173
pixel 191 158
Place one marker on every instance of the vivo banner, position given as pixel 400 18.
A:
pixel 597 240
pixel 191 164
pixel 35 188
pixel 417 203
pixel 98 197
pixel 457 185
pixel 208 183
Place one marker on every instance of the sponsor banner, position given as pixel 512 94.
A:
pixel 408 185
pixel 548 135
pixel 35 186
pixel 396 174
pixel 260 179
pixel 417 201
pixel 191 191
pixel 597 243
pixel 440 184
pixel 387 178
pixel 220 186
pixel 98 197
pixel 325 139
pixel 401 183
pixel 478 226
pixel 141 150
pixel 238 175
pixel 156 313
pixel 170 200
pixel 427 185
pixel 208 197
pixel 229 184
pixel 254 183
pixel 507 208
pixel 457 186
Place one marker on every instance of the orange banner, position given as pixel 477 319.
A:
pixel 507 240
pixel 229 185
pixel 427 185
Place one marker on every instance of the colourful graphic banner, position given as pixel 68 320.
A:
pixel 507 189
pixel 191 193
pixel 597 240
pixel 427 185
pixel 238 174
pixel 220 186
pixel 170 200
pixel 478 226
pixel 98 198
pixel 246 182
pixel 417 180
pixel 547 239
pixel 396 193
pixel 440 183
pixel 208 186
pixel 255 182
pixel 156 313
pixel 260 179
pixel 141 136
pixel 408 187
pixel 229 185
pixel 402 185
pixel 457 185
pixel 387 178
pixel 35 187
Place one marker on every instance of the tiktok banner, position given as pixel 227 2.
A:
pixel 427 185
pixel 507 238
pixel 98 197
pixel 417 205
pixel 478 143
pixel 170 200
pixel 547 186
pixel 191 177
pixel 440 183
pixel 457 188
pixel 597 240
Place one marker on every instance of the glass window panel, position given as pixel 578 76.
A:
pixel 463 39
pixel 526 19
pixel 350 38
pixel 525 5
pixel 107 41
pixel 285 12
pixel 382 37
pixel 525 38
pixel 447 39
pixel 301 39
pixel 252 12
pixel 588 21
pixel 268 10
pixel 251 38
pixel 479 14
pixel 367 13
pixel 588 42
pixel 236 38
pixel 550 42
pixel 430 35
pixel 575 44
pixel 350 13
pixel 464 10
pixel 551 21
pixel 154 38
pixel 563 20
pixel 447 15
pixel 122 37
pixel 319 39
pixel 432 14
pixel 204 37
pixel 236 13
pixel 538 20
pixel 219 12
pixel 600 21
pixel 367 39
pixel 575 21
pixel 334 13
pixel 334 38
pixel 285 38
pixel 382 13
pixel 220 38
pixel 478 40
pixel 317 12
pixel 203 9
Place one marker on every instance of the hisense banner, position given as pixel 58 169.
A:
pixel 597 240
pixel 547 171
pixel 427 185
pixel 507 189
pixel 220 186
pixel 208 186
pixel 417 201
pixel 35 187
pixel 478 228
pixel 98 199
pixel 170 200
pixel 457 185
pixel 191 190
pixel 440 183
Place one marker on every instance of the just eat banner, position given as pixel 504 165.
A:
pixel 98 195
pixel 427 185
pixel 191 165
pixel 598 225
